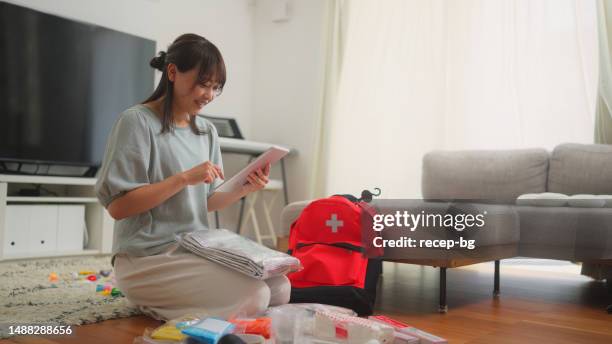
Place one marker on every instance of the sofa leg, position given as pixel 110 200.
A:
pixel 496 280
pixel 442 308
pixel 609 285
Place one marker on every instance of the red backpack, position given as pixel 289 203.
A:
pixel 327 239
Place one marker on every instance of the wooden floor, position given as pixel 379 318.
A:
pixel 540 302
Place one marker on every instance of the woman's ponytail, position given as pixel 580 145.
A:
pixel 159 62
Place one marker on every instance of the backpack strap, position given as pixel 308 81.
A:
pixel 343 245
pixel 363 202
pixel 366 196
pixel 349 197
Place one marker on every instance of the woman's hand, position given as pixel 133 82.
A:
pixel 203 173
pixel 257 180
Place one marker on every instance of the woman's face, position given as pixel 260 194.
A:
pixel 190 96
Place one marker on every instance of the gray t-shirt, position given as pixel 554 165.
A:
pixel 137 155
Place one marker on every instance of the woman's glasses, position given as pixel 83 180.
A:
pixel 215 88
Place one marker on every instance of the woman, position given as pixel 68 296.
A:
pixel 157 180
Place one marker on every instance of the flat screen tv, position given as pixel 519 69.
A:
pixel 62 85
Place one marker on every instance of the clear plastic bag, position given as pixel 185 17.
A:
pixel 293 323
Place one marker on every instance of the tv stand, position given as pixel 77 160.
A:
pixel 46 169
pixel 63 191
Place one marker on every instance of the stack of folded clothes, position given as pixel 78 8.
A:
pixel 239 253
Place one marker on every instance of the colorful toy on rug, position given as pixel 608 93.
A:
pixel 88 276
pixel 53 277
pixel 108 289
pixel 83 275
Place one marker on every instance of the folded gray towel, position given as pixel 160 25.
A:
pixel 239 253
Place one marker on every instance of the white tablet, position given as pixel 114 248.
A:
pixel 272 155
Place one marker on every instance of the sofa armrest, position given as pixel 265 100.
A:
pixel 289 214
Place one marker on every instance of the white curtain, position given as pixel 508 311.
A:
pixel 336 21
pixel 418 75
pixel 603 113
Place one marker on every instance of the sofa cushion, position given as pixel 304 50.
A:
pixel 607 199
pixel 581 169
pixel 489 176
pixel 565 233
pixel 551 199
pixel 546 199
pixel 586 201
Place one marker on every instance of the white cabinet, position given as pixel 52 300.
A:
pixel 30 229
pixel 16 227
pixel 55 224
pixel 70 227
pixel 38 229
pixel 42 227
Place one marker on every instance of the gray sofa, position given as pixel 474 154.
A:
pixel 567 233
pixel 490 181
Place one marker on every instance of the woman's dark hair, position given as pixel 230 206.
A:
pixel 188 51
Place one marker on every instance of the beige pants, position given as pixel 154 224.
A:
pixel 177 282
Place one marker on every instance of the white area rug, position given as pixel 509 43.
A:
pixel 28 297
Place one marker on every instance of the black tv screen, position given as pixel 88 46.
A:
pixel 63 84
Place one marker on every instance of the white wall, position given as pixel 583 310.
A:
pixel 288 81
pixel 226 23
